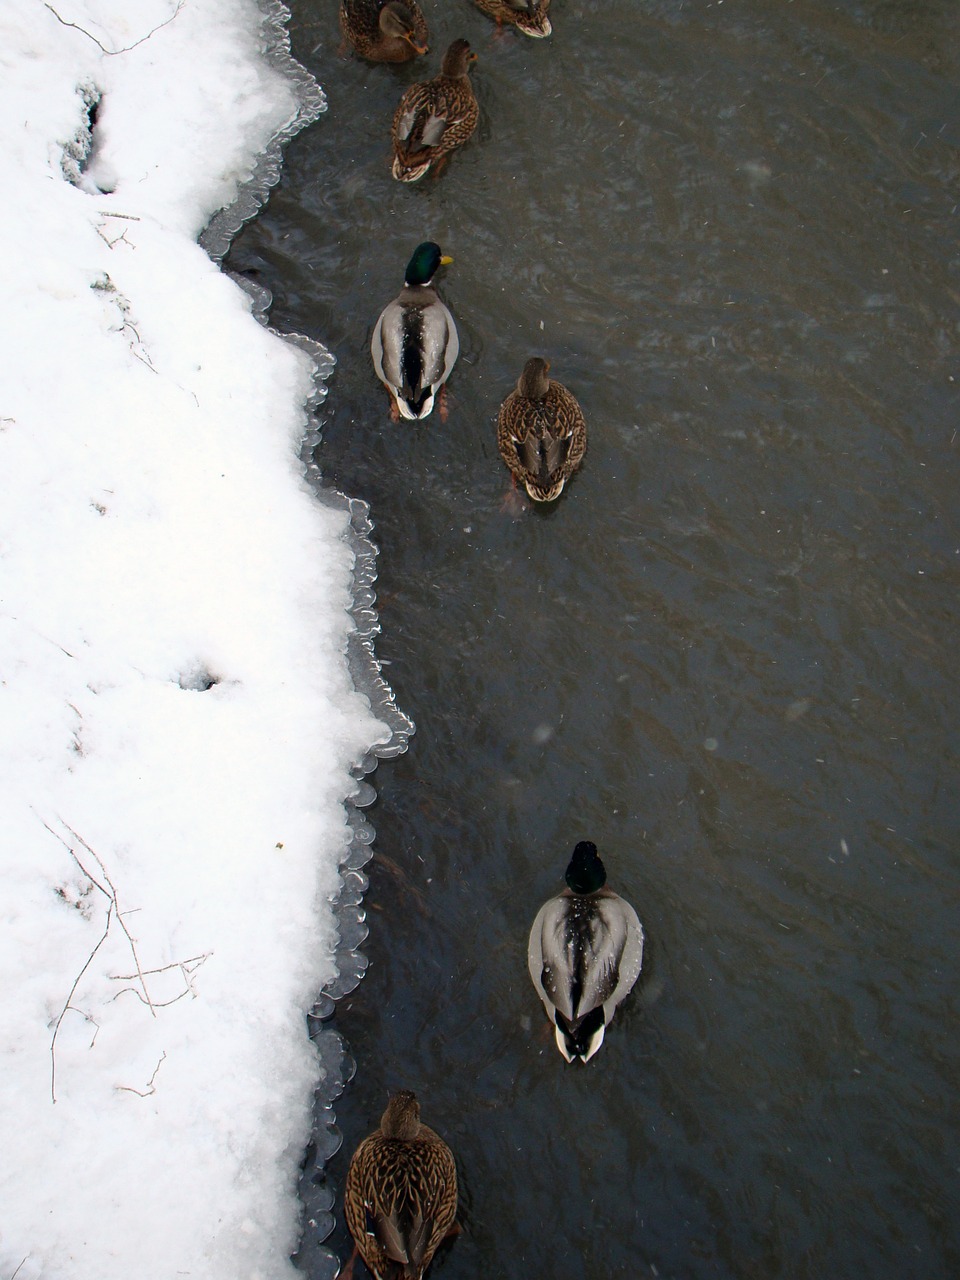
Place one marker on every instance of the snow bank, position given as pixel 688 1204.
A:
pixel 177 721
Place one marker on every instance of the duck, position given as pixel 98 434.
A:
pixel 432 119
pixel 384 30
pixel 528 16
pixel 400 1197
pixel 415 343
pixel 541 433
pixel 584 955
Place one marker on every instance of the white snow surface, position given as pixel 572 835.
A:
pixel 168 850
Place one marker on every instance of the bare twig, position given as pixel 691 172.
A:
pixel 187 969
pixel 63 1011
pixel 115 903
pixel 116 240
pixel 151 1087
pixel 113 912
pixel 112 53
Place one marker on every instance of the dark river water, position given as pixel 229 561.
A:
pixel 728 654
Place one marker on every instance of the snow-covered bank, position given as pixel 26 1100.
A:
pixel 177 721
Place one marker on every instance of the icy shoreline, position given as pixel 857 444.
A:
pixel 180 725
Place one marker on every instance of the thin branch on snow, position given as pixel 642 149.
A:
pixel 112 895
pixel 187 970
pixel 112 53
pixel 151 1087
pixel 67 1005
pixel 111 243
pixel 113 912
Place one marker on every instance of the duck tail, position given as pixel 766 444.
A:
pixel 403 171
pixel 580 1039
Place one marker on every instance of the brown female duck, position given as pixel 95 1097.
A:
pixel 528 16
pixel 384 30
pixel 436 117
pixel 400 1199
pixel 541 432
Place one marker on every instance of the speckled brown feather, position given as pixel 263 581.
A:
pixel 531 18
pixel 542 441
pixel 360 24
pixel 400 1201
pixel 444 103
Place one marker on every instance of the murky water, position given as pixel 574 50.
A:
pixel 727 655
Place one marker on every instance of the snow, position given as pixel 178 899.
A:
pixel 177 718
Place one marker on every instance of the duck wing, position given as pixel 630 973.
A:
pixel 415 346
pixel 440 114
pixel 586 953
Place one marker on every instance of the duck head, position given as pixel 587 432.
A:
pixel 586 874
pixel 396 22
pixel 457 60
pixel 402 1116
pixel 426 261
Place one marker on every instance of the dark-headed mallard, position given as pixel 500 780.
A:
pixel 384 30
pixel 541 432
pixel 528 16
pixel 415 343
pixel 400 1199
pixel 436 117
pixel 584 955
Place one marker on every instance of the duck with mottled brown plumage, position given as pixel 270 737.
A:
pixel 541 432
pixel 528 16
pixel 384 30
pixel 400 1199
pixel 433 119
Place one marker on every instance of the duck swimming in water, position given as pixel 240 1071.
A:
pixel 541 433
pixel 434 118
pixel 400 1198
pixel 528 16
pixel 584 955
pixel 415 343
pixel 384 30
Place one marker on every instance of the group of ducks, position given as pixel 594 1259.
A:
pixel 541 431
pixel 584 954
pixel 585 947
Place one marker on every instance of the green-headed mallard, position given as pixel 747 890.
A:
pixel 415 343
pixel 584 955
pixel 384 30
pixel 400 1199
pixel 436 117
pixel 529 16
pixel 541 432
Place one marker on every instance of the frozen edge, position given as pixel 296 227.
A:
pixel 218 234
pixel 336 1066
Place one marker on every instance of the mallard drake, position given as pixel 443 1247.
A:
pixel 436 117
pixel 384 30
pixel 529 16
pixel 415 343
pixel 400 1199
pixel 584 955
pixel 541 432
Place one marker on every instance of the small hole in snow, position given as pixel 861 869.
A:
pixel 199 679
